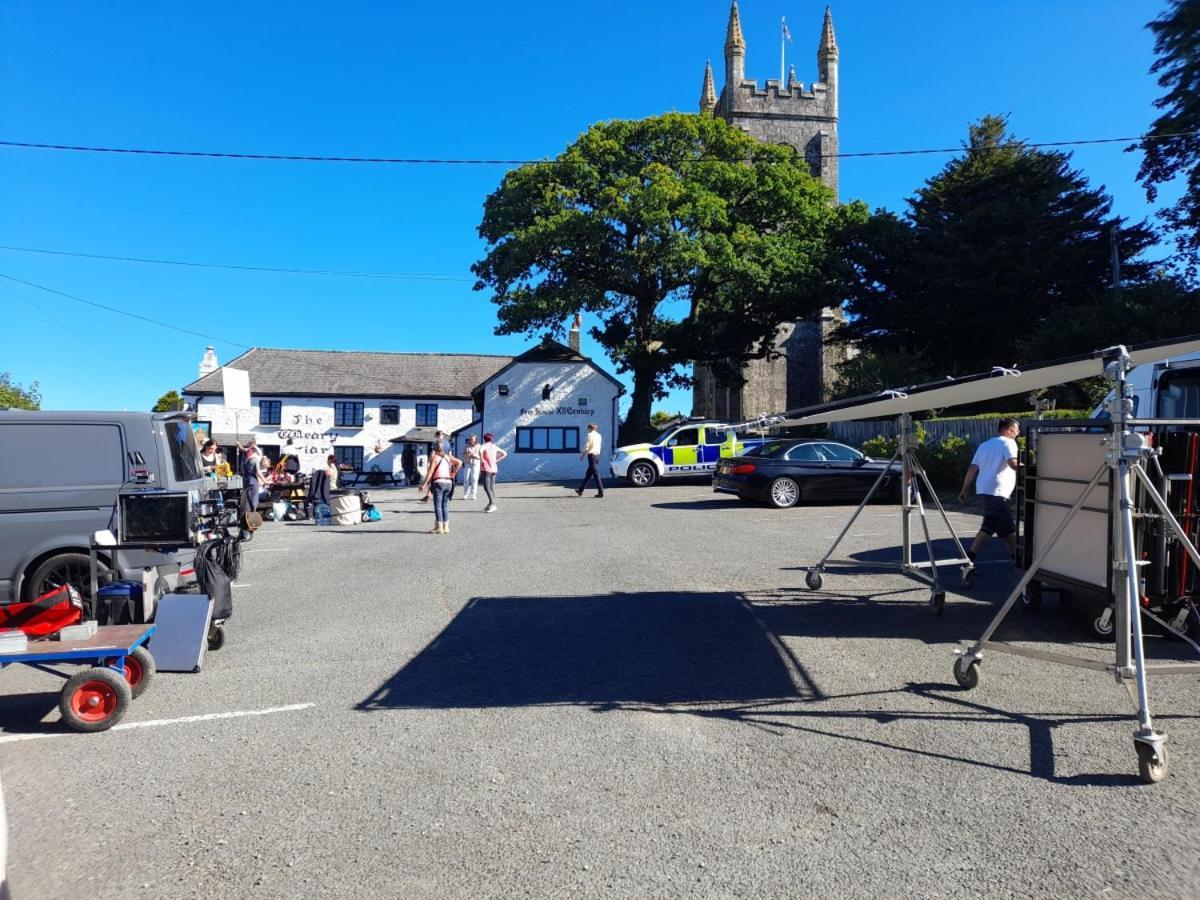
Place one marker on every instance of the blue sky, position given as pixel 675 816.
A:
pixel 482 80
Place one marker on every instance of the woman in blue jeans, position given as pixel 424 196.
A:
pixel 439 479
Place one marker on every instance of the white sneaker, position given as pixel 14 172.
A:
pixel 491 508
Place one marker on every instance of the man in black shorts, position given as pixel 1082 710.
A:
pixel 993 471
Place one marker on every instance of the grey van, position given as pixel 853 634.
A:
pixel 59 477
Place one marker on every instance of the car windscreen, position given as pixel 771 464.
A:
pixel 185 457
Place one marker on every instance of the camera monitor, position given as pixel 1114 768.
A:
pixel 156 517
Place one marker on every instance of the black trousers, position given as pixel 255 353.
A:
pixel 593 471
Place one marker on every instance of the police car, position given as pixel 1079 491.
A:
pixel 682 449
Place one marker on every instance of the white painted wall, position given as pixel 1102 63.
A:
pixel 309 422
pixel 524 407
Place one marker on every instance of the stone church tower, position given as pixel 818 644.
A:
pixel 807 121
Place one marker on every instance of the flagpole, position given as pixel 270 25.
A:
pixel 782 51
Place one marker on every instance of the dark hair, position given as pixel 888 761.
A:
pixel 1006 423
pixel 487 436
pixel 209 443
pixel 332 458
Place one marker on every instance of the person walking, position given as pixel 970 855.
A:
pixel 440 481
pixel 993 471
pixel 471 463
pixel 591 450
pixel 490 456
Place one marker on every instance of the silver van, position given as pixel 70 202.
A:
pixel 59 477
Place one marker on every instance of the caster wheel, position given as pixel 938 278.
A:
pixel 94 699
pixel 814 580
pixel 216 637
pixel 1103 624
pixel 1152 767
pixel 937 600
pixel 139 670
pixel 966 672
pixel 1032 598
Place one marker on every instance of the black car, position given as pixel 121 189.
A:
pixel 787 472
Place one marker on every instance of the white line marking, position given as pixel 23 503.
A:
pixel 155 723
pixel 270 550
pixel 235 584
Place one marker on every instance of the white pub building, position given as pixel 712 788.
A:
pixel 366 407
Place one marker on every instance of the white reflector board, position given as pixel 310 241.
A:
pixel 1063 461
pixel 1000 382
pixel 237 387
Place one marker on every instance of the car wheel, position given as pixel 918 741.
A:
pixel 784 492
pixel 60 569
pixel 642 474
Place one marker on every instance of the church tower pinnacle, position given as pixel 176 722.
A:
pixel 708 93
pixel 735 49
pixel 827 59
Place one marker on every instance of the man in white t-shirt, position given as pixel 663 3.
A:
pixel 994 473
pixel 591 450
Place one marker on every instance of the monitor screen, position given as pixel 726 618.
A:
pixel 154 517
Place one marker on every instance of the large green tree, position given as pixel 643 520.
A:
pixel 168 402
pixel 14 396
pixel 688 239
pixel 1173 148
pixel 1006 240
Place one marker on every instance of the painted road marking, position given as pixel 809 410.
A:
pixel 270 550
pixel 155 723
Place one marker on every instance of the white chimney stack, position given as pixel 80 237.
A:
pixel 209 364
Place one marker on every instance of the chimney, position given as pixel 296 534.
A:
pixel 209 364
pixel 573 336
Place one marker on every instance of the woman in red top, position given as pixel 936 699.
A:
pixel 489 462
pixel 439 478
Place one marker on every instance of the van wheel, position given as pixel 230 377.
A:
pixel 60 569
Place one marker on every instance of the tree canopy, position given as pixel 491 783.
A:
pixel 1173 145
pixel 688 239
pixel 168 402
pixel 14 396
pixel 1004 242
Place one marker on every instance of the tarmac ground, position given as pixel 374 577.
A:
pixel 632 696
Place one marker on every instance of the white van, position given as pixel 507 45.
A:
pixel 1169 389
pixel 60 473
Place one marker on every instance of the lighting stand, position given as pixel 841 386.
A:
pixel 1125 461
pixel 913 477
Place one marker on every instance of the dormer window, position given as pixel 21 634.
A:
pixel 503 390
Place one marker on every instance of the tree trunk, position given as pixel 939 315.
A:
pixel 637 425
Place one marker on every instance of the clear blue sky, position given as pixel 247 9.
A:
pixel 511 80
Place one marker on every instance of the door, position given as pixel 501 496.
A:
pixel 808 467
pixel 683 452
pixel 848 479
pixel 717 442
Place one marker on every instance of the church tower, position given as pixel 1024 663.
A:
pixel 807 121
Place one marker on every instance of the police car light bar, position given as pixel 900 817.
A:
pixel 991 385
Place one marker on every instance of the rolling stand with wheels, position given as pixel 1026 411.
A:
pixel 1127 456
pixel 913 479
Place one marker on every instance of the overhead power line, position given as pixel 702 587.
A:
pixel 124 312
pixel 464 161
pixel 406 276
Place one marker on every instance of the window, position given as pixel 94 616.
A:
pixel 582 401
pixel 427 414
pixel 688 437
pixel 503 390
pixel 351 457
pixel 269 412
pixel 839 453
pixel 548 440
pixel 546 392
pixel 389 415
pixel 185 455
pixel 347 414
pixel 804 453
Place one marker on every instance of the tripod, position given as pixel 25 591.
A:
pixel 912 478
pixel 1125 462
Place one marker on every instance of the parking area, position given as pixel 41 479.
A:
pixel 627 696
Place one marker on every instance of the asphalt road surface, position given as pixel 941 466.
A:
pixel 633 696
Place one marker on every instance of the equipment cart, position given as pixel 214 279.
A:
pixel 95 698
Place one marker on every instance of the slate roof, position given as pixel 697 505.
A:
pixel 549 350
pixel 353 373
